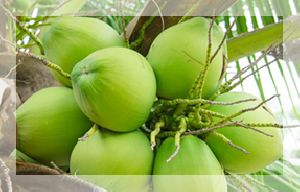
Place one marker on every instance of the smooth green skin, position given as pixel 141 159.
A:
pixel 70 39
pixel 194 168
pixel 178 56
pixel 105 154
pixel 115 88
pixel 262 149
pixel 49 124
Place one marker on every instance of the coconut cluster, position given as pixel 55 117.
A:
pixel 93 125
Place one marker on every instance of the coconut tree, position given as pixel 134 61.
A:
pixel 261 37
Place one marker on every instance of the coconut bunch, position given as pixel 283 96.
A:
pixel 125 114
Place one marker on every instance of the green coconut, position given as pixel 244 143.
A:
pixel 194 168
pixel 115 161
pixel 115 87
pixel 262 149
pixel 49 124
pixel 178 56
pixel 70 39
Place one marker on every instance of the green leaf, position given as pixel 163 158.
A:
pixel 69 8
pixel 282 8
pixel 252 42
pixel 259 40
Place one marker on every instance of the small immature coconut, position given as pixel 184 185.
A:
pixel 70 39
pixel 262 149
pixel 115 87
pixel 115 161
pixel 194 168
pixel 178 56
pixel 49 124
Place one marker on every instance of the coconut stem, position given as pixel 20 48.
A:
pixel 55 167
pixel 274 125
pixel 205 130
pixel 196 91
pixel 210 129
pixel 229 117
pixel 89 133
pixel 208 112
pixel 245 69
pixel 195 120
pixel 201 101
pixel 180 108
pixel 155 132
pixel 46 63
pixel 229 88
pixel 200 115
pixel 198 118
pixel 229 142
pixel 226 86
pixel 59 70
pixel 247 126
pixel 31 35
pixel 182 129
pixel 223 40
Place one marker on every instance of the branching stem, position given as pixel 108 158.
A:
pixel 196 91
pixel 275 125
pixel 201 101
pixel 229 142
pixel 230 117
pixel 223 40
pixel 212 113
pixel 229 88
pixel 224 88
pixel 156 130
pixel 31 35
pixel 46 63
pixel 182 129
pixel 240 124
